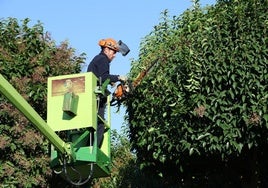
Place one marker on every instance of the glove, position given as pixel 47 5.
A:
pixel 112 84
pixel 122 78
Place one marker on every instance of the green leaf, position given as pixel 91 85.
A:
pixel 191 151
pixel 202 136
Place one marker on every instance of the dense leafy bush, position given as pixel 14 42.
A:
pixel 203 106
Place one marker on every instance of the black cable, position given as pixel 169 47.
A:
pixel 78 183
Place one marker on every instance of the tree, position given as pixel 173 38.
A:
pixel 28 56
pixel 201 114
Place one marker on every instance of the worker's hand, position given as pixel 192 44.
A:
pixel 122 78
pixel 112 84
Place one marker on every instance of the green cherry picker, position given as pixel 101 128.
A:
pixel 72 116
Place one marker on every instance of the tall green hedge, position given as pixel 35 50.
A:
pixel 203 106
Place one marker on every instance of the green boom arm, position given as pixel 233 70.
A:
pixel 21 104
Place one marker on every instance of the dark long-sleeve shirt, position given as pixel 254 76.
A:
pixel 100 66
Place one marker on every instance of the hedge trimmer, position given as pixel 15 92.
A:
pixel 123 89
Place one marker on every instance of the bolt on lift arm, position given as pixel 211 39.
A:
pixel 22 105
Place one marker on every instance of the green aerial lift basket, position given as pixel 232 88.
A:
pixel 72 116
pixel 72 113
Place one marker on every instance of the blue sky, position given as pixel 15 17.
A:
pixel 83 23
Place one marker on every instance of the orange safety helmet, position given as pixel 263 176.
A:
pixel 109 43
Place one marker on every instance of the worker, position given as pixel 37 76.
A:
pixel 100 66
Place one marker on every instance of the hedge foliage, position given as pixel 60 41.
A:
pixel 206 95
